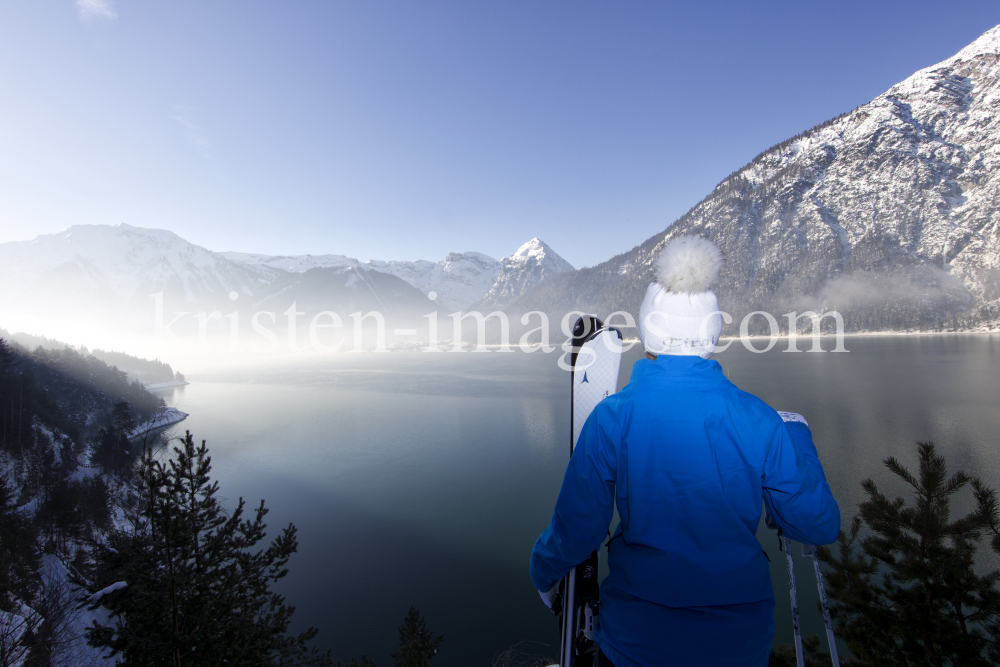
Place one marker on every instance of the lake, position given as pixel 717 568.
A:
pixel 424 480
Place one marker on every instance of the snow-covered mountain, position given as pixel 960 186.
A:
pixel 533 263
pixel 349 289
pixel 106 274
pixel 112 270
pixel 458 280
pixel 467 280
pixel 291 263
pixel 888 214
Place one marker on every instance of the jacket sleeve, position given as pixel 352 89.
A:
pixel 585 504
pixel 796 493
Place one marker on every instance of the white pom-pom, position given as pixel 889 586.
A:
pixel 688 265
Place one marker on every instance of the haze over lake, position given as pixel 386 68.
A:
pixel 425 479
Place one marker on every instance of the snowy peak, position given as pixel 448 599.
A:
pixel 532 263
pixel 536 253
pixel 952 75
pixel 116 267
pixel 987 44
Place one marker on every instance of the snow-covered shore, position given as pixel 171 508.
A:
pixel 168 417
pixel 166 385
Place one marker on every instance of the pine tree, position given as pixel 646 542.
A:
pixel 7 359
pixel 417 645
pixel 814 656
pixel 197 589
pixel 9 391
pixel 112 449
pixel 365 662
pixel 19 557
pixel 913 595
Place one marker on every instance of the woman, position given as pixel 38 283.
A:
pixel 689 459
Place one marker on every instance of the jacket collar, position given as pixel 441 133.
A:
pixel 669 367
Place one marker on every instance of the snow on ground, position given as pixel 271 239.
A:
pixel 72 649
pixel 117 586
pixel 159 422
pixel 166 385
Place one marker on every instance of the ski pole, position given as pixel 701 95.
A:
pixel 787 545
pixel 809 550
pixel 568 625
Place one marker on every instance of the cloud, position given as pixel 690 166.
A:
pixel 184 116
pixel 96 9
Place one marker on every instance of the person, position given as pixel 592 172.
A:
pixel 689 459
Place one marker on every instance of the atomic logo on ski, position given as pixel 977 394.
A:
pixel 585 378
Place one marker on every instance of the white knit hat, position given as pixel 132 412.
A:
pixel 680 314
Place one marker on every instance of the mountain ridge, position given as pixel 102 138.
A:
pixel 465 280
pixel 887 213
pixel 136 277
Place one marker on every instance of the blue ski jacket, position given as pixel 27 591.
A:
pixel 689 459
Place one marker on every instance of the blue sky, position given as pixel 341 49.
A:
pixel 407 130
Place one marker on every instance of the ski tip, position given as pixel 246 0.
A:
pixel 587 325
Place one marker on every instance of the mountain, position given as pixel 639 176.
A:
pixel 468 280
pixel 106 274
pixel 457 281
pixel 460 279
pixel 107 271
pixel 291 263
pixel 347 290
pixel 533 263
pixel 888 214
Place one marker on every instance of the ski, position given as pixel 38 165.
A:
pixel 595 359
pixel 808 551
pixel 786 545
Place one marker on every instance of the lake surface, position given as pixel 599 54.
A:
pixel 418 479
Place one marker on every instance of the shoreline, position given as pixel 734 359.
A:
pixel 862 334
pixel 165 419
pixel 799 337
pixel 165 385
